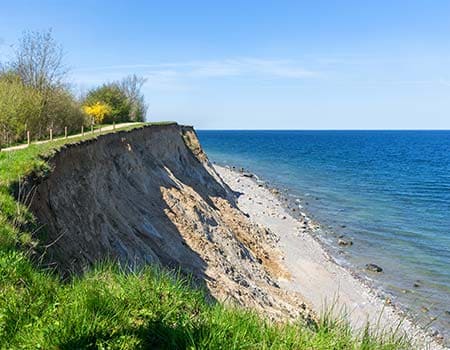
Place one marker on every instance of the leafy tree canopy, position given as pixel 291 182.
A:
pixel 114 97
pixel 123 97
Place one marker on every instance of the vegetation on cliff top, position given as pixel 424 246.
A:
pixel 36 97
pixel 112 308
pixel 120 101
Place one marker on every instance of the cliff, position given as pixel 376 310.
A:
pixel 150 196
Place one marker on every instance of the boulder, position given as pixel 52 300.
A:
pixel 344 242
pixel 417 284
pixel 373 268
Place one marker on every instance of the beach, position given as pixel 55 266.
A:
pixel 313 272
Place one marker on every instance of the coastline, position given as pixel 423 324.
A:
pixel 314 273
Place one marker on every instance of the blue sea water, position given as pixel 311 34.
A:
pixel 388 191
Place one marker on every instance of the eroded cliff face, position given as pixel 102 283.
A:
pixel 151 196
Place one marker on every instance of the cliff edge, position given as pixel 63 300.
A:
pixel 150 196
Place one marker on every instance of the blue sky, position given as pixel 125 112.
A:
pixel 259 64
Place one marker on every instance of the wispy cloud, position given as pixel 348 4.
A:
pixel 249 67
pixel 185 75
pixel 176 74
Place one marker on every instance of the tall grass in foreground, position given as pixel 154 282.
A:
pixel 112 309
pixel 109 308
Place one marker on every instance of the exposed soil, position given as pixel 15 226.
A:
pixel 150 196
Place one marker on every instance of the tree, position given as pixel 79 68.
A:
pixel 111 95
pixel 97 111
pixel 39 61
pixel 63 110
pixel 124 97
pixel 131 86
pixel 17 104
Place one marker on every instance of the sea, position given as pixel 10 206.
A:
pixel 386 191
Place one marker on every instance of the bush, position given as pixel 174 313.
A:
pixel 115 98
pixel 24 108
pixel 123 97
pixel 63 110
pixel 97 111
pixel 18 104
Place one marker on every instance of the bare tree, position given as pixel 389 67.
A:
pixel 131 86
pixel 39 61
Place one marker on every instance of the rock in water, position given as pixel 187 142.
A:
pixel 344 242
pixel 248 175
pixel 373 268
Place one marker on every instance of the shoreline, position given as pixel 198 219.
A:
pixel 314 272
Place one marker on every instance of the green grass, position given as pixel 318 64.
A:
pixel 109 308
pixel 87 131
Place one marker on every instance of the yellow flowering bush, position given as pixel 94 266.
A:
pixel 98 111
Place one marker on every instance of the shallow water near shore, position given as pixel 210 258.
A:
pixel 386 191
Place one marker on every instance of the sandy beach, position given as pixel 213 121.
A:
pixel 314 274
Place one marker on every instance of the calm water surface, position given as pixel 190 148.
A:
pixel 389 191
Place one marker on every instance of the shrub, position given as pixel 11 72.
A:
pixel 97 111
pixel 18 104
pixel 114 97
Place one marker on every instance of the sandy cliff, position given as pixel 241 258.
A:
pixel 151 196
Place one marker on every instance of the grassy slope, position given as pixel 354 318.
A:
pixel 109 308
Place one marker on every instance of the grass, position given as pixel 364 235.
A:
pixel 87 131
pixel 110 308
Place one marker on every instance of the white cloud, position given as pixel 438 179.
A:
pixel 180 74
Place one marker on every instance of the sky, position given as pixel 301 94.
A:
pixel 258 64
